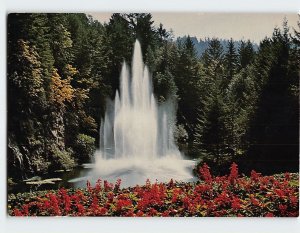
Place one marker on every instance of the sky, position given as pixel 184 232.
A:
pixel 253 26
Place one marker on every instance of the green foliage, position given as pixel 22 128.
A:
pixel 233 103
pixel 246 54
pixel 231 62
pixel 275 121
pixel 210 136
pixel 27 74
pixel 213 59
pixel 187 79
pixel 180 135
pixel 85 147
pixel 10 181
pixel 62 159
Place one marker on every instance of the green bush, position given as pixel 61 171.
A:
pixel 62 159
pixel 84 147
pixel 39 163
pixel 10 181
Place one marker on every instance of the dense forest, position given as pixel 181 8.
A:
pixel 238 103
pixel 202 44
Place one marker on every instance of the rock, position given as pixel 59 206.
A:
pixel 35 178
pixel 10 182
pixel 46 181
pixel 59 171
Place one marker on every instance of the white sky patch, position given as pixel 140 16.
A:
pixel 253 26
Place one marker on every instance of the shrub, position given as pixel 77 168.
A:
pixel 62 159
pixel 84 147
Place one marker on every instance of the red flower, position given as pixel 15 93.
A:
pixel 89 187
pixel 254 175
pixel 98 186
pixel 269 214
pixel 166 213
pixel 213 196
pixel 95 205
pixel 129 213
pixel 171 183
pixel 66 200
pixel 54 204
pixel 204 172
pixel 280 193
pixel 287 176
pixel 176 193
pixel 123 204
pixel 46 204
pixel 110 196
pixel 17 212
pixel 294 200
pixel 25 210
pixel 234 172
pixel 80 209
pixel 201 188
pixel 282 208
pixel 103 211
pixel 152 212
pixel 222 198
pixel 186 202
pixel 108 186
pixel 254 201
pixel 118 184
pixel 236 203
pixel 140 213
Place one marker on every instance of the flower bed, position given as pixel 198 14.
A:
pixel 231 195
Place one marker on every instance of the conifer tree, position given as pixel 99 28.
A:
pixel 231 62
pixel 246 53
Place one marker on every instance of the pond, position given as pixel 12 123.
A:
pixel 131 173
pixel 79 171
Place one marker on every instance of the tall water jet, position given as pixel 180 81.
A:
pixel 136 134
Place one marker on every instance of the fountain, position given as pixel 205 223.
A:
pixel 136 134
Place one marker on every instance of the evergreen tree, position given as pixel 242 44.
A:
pixel 240 101
pixel 246 53
pixel 232 105
pixel 163 34
pixel 143 30
pixel 164 72
pixel 231 62
pixel 210 135
pixel 120 39
pixel 274 129
pixel 213 59
pixel 187 80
